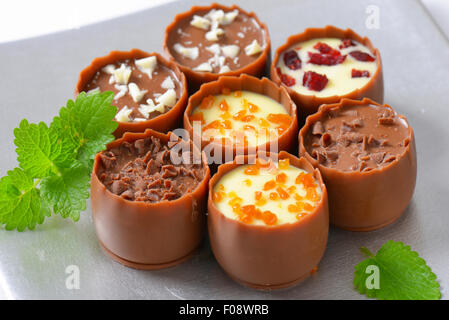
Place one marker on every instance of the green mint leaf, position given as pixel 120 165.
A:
pixel 89 122
pixel 20 202
pixel 401 275
pixel 67 192
pixel 41 150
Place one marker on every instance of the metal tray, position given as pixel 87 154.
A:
pixel 39 75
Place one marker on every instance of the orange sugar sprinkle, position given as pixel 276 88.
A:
pixel 239 115
pixel 293 208
pixel 246 218
pixel 248 118
pixel 282 193
pixel 281 178
pixel 300 215
pixel 197 117
pixel 249 127
pixel 226 91
pixel 269 218
pixel 284 163
pixel 218 196
pixel 269 185
pixel 251 170
pixel 308 206
pixel 298 197
pixel 281 129
pixel 291 189
pixel 207 102
pixel 236 200
pixel 311 194
pixel 216 124
pixel 264 123
pixel 221 187
pixel 274 196
pixel 279 118
pixel 252 107
pixel 236 208
pixel 227 124
pixel 225 115
pixel 248 182
pixel 232 194
pixel 237 93
pixel 258 195
pixel 223 106
pixel 261 202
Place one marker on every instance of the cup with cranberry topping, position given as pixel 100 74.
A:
pixel 324 65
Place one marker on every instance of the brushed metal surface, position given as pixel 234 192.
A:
pixel 38 75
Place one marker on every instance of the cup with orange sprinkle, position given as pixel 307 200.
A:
pixel 268 219
pixel 241 115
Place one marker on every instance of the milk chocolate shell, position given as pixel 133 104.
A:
pixel 286 141
pixel 257 68
pixel 164 122
pixel 269 257
pixel 369 199
pixel 309 104
pixel 145 235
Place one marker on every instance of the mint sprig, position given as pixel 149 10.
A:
pixel 402 274
pixel 56 162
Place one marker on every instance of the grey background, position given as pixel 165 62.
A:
pixel 39 75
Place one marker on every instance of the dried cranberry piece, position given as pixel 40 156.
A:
pixel 346 43
pixel 286 79
pixel 314 81
pixel 362 56
pixel 291 60
pixel 360 73
pixel 325 48
pixel 325 59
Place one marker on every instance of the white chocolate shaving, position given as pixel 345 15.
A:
pixel 205 66
pixel 253 48
pixel 229 17
pixel 109 69
pixel 191 53
pixel 122 74
pixel 168 98
pixel 215 48
pixel 215 15
pixel 224 69
pixel 147 65
pixel 168 83
pixel 230 51
pixel 123 89
pixel 200 22
pixel 123 114
pixel 214 34
pixel 135 92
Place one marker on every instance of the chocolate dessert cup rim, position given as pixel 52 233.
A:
pixel 302 164
pixel 345 102
pixel 133 136
pixel 265 53
pixel 242 78
pixel 306 35
pixel 117 55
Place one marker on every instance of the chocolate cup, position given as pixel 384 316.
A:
pixel 365 201
pixel 286 141
pixel 165 122
pixel 146 235
pixel 309 104
pixel 196 78
pixel 269 257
